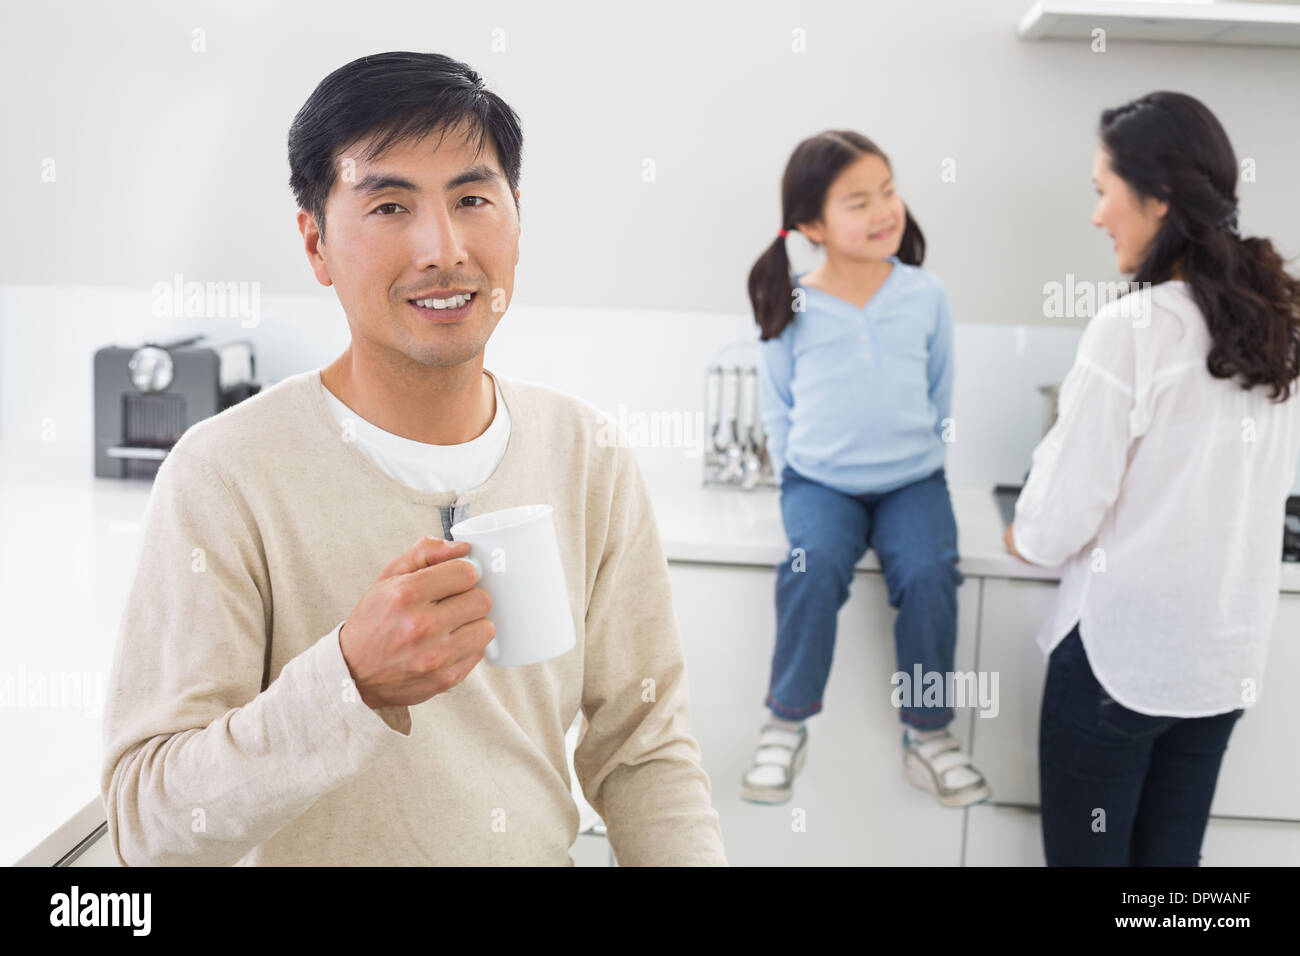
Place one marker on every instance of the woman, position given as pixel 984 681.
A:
pixel 1162 489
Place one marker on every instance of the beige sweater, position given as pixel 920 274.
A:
pixel 232 730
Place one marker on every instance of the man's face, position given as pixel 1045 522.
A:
pixel 419 223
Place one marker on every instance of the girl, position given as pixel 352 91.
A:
pixel 1162 488
pixel 856 373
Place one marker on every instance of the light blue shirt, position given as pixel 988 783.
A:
pixel 858 399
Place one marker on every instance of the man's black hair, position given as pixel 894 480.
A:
pixel 393 97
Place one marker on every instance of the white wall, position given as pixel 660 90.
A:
pixel 173 161
pixel 170 161
pixel 648 361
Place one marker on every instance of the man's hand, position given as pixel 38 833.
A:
pixel 420 628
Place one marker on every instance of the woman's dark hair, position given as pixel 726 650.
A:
pixel 812 168
pixel 393 97
pixel 1170 146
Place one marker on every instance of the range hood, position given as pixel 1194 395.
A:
pixel 1252 24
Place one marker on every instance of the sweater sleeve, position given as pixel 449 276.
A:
pixel 1079 465
pixel 940 364
pixel 201 764
pixel 637 763
pixel 775 369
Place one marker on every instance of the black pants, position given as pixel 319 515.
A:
pixel 1120 788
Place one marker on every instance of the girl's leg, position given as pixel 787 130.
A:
pixel 1178 791
pixel 828 535
pixel 915 535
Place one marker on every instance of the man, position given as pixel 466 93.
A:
pixel 296 682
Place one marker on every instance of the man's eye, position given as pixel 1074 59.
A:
pixel 480 198
pixel 385 205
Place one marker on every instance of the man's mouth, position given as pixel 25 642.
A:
pixel 445 307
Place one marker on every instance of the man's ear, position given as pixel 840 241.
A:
pixel 312 242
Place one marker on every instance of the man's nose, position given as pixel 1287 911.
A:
pixel 438 241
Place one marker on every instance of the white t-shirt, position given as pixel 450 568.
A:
pixel 430 467
pixel 1162 490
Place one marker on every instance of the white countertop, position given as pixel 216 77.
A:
pixel 717 523
pixel 68 549
pixel 720 524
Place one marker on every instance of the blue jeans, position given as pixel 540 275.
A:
pixel 915 536
pixel 1153 777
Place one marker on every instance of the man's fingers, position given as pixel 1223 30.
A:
pixel 445 580
pixel 425 552
pixel 457 610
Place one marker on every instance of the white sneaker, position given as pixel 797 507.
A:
pixel 937 764
pixel 779 756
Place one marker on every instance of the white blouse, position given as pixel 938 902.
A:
pixel 1162 491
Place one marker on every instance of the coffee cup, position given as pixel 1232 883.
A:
pixel 517 556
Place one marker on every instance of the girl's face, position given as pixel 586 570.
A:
pixel 863 216
pixel 1131 222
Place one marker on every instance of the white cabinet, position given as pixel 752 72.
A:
pixel 589 849
pixel 1237 842
pixel 851 805
pixel 1003 836
pixel 1260 776
pixel 99 853
pixel 1258 779
pixel 1005 747
pixel 1012 836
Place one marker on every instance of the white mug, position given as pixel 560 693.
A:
pixel 517 556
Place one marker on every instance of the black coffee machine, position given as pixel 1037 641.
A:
pixel 147 396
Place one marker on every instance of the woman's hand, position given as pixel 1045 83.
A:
pixel 1009 540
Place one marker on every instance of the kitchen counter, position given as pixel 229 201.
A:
pixel 720 524
pixel 68 549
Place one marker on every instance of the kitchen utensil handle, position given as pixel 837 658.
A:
pixel 713 411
